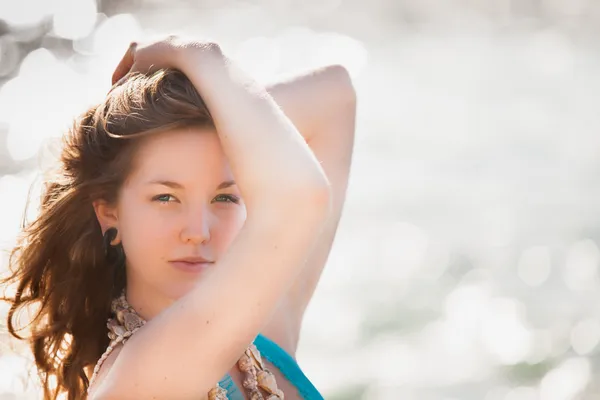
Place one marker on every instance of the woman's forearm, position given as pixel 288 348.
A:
pixel 267 154
pixel 311 99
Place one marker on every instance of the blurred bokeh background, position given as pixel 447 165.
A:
pixel 466 265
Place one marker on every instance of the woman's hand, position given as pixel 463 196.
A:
pixel 167 52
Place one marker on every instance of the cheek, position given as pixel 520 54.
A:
pixel 145 229
pixel 228 227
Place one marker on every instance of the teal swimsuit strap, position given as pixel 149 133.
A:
pixel 287 366
pixel 233 391
pixel 290 369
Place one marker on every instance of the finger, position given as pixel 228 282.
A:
pixel 125 64
pixel 123 78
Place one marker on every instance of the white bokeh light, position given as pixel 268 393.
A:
pixel 447 353
pixel 13 191
pixel 403 250
pixel 302 48
pixel 335 48
pixel 260 57
pixel 12 383
pixel 581 265
pixel 504 333
pixel 567 380
pixel 25 12
pixel 585 336
pixel 74 19
pixel 534 265
pixel 110 41
pixel 46 96
pixel 541 346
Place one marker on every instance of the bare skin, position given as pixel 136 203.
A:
pixel 289 224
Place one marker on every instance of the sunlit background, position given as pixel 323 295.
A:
pixel 467 262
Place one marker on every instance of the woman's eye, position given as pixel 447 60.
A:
pixel 163 198
pixel 227 198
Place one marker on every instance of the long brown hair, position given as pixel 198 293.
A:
pixel 59 265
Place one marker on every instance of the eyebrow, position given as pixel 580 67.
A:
pixel 176 185
pixel 225 185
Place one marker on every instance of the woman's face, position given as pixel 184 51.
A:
pixel 179 201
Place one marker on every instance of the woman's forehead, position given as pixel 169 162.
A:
pixel 181 155
pixel 179 139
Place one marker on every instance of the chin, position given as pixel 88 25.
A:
pixel 177 290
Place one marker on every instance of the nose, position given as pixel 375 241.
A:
pixel 196 226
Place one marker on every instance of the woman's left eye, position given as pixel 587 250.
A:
pixel 227 198
pixel 163 198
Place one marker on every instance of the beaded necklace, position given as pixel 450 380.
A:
pixel 125 321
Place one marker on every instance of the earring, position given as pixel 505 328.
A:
pixel 114 253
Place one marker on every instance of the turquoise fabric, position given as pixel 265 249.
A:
pixel 288 367
pixel 233 391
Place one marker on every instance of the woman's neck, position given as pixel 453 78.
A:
pixel 148 304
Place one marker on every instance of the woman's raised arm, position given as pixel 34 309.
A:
pixel 185 350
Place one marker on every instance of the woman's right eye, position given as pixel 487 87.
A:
pixel 163 198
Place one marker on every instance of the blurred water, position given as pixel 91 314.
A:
pixel 466 264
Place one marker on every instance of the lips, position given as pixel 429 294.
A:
pixel 194 259
pixel 191 266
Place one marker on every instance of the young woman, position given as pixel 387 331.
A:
pixel 192 216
